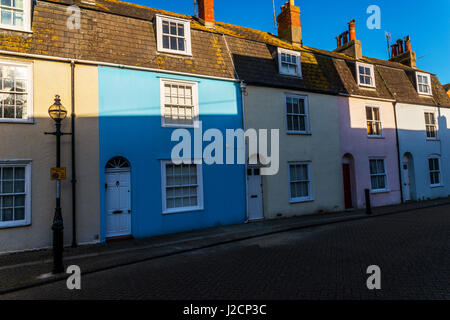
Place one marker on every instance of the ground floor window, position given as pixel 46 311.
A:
pixel 435 171
pixel 300 182
pixel 15 193
pixel 378 178
pixel 182 187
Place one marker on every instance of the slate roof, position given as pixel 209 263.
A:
pixel 123 33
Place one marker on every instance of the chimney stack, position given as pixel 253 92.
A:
pixel 289 26
pixel 206 12
pixel 349 44
pixel 404 54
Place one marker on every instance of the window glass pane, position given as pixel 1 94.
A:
pixel 7 3
pixel 181 44
pixel 181 30
pixel 7 214
pixel 19 214
pixel 173 28
pixel 6 16
pixel 173 43
pixel 361 70
pixel 18 4
pixel 165 27
pixel 369 113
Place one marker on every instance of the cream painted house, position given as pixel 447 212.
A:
pixel 26 155
pixel 309 178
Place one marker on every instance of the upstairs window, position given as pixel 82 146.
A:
pixel 365 74
pixel 15 91
pixel 423 83
pixel 15 14
pixel 297 114
pixel 378 178
pixel 435 171
pixel 430 125
pixel 173 35
pixel 289 62
pixel 373 121
pixel 179 107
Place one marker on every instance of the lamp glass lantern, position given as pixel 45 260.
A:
pixel 57 111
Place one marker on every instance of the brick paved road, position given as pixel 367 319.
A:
pixel 330 262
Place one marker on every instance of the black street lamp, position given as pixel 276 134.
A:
pixel 58 113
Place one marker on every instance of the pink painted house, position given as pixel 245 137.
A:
pixel 367 129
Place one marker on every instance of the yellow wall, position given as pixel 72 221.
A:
pixel 27 141
pixel 265 109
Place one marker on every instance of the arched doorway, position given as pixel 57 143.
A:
pixel 348 181
pixel 408 183
pixel 118 197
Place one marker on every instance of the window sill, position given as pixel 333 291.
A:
pixel 296 76
pixel 380 191
pixel 179 54
pixel 28 121
pixel 294 201
pixel 375 137
pixel 9 28
pixel 429 95
pixel 182 210
pixel 298 133
pixel 175 126
pixel 433 186
pixel 367 87
pixel 433 139
pixel 15 225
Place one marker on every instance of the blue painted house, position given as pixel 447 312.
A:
pixel 172 82
pixel 143 192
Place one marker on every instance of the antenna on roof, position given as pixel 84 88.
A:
pixel 388 38
pixel 274 15
pixel 195 8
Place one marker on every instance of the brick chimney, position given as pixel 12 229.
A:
pixel 402 53
pixel 289 26
pixel 347 42
pixel 206 12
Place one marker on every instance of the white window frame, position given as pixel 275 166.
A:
pixel 26 19
pixel 379 121
pixel 435 125
pixel 440 171
pixel 199 206
pixel 386 180
pixel 298 60
pixel 187 34
pixel 310 188
pixel 28 169
pixel 428 76
pixel 196 112
pixel 29 66
pixel 307 124
pixel 372 74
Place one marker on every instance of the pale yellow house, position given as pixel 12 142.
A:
pixel 27 154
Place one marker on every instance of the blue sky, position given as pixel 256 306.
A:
pixel 427 22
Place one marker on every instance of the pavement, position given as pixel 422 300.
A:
pixel 24 271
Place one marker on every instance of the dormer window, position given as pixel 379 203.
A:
pixel 423 83
pixel 173 35
pixel 15 15
pixel 289 62
pixel 365 75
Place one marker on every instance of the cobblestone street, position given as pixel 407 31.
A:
pixel 327 262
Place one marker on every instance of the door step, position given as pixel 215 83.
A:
pixel 119 238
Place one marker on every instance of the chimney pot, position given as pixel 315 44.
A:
pixel 407 43
pixel 206 12
pixel 352 30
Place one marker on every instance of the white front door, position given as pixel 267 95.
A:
pixel 406 181
pixel 118 204
pixel 255 197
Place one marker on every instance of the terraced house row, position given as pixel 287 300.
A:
pixel 130 75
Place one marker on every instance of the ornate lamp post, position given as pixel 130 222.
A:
pixel 58 113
